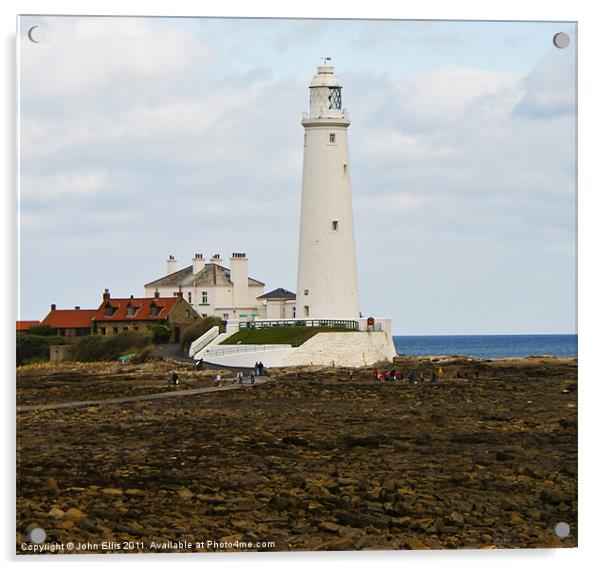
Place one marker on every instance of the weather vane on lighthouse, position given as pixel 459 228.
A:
pixel 326 60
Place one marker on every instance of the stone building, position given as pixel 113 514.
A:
pixel 211 288
pixel 115 316
pixel 70 323
pixel 60 352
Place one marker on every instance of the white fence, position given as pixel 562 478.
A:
pixel 203 341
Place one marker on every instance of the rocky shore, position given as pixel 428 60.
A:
pixel 315 459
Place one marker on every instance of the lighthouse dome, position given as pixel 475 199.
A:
pixel 325 101
pixel 325 77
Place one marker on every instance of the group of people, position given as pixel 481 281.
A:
pixel 258 370
pixel 398 375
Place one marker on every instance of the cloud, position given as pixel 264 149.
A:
pixel 66 185
pixel 465 169
pixel 550 89
pixel 86 56
pixel 387 204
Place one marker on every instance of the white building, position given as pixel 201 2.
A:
pixel 213 289
pixel 327 275
pixel 278 304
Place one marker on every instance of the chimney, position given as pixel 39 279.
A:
pixel 239 275
pixel 77 307
pixel 198 263
pixel 216 259
pixel 53 307
pixel 171 265
pixel 156 293
pixel 106 295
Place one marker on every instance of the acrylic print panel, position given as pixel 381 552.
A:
pixel 296 285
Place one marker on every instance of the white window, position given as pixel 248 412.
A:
pixel 306 310
pixel 189 297
pixel 335 226
pixel 205 296
pixel 332 137
pixel 306 292
pixel 226 316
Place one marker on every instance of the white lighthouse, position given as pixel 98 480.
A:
pixel 327 274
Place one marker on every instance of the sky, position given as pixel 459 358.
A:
pixel 145 137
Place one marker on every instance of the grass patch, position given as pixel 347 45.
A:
pixel 294 336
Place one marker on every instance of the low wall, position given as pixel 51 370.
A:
pixel 270 358
pixel 343 349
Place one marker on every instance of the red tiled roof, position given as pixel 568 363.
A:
pixel 26 325
pixel 143 304
pixel 69 318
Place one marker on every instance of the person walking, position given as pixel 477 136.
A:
pixel 200 365
pixel 260 368
pixel 421 376
pixel 218 379
pixel 374 374
pixel 174 379
pixel 240 376
pixel 434 377
pixel 440 372
pixel 252 377
pixel 411 377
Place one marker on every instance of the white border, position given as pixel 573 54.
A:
pixel 583 11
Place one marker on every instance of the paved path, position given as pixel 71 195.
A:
pixel 125 399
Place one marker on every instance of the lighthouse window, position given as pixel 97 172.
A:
pixel 344 170
pixel 334 99
pixel 332 137
pixel 306 310
pixel 335 225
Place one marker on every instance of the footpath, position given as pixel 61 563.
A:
pixel 141 398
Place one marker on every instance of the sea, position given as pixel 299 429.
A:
pixel 488 346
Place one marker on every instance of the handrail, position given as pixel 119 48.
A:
pixel 201 342
pixel 244 348
pixel 349 324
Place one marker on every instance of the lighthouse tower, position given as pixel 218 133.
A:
pixel 326 275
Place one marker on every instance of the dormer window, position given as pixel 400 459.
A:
pixel 110 310
pixel 154 310
pixel 132 310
